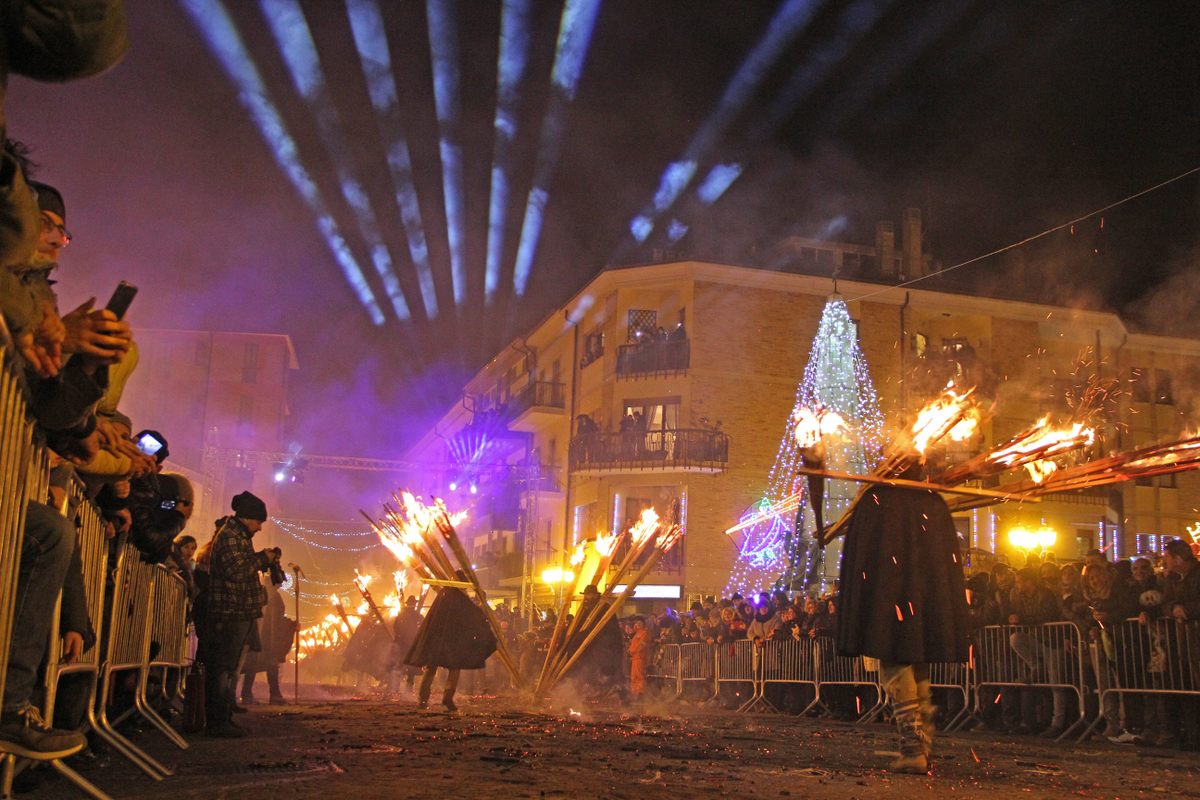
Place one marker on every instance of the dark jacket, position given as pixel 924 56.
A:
pixel 234 593
pixel 454 634
pixel 902 598
pixel 1184 591
pixel 1036 607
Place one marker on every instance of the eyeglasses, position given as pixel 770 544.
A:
pixel 49 225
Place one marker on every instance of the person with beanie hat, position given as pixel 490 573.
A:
pixel 234 601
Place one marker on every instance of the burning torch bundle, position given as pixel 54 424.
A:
pixel 424 539
pixel 642 545
pixel 1159 459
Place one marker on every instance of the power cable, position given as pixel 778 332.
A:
pixel 1036 236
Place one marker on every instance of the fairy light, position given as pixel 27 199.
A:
pixel 310 537
pixel 616 518
pixel 836 380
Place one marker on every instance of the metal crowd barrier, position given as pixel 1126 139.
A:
pixel 24 478
pixel 738 662
pixel 1047 656
pixel 696 666
pixel 93 552
pixel 166 648
pixel 792 661
pixel 128 649
pixel 852 671
pixel 956 678
pixel 1159 658
pixel 664 667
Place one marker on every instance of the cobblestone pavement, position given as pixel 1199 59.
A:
pixel 497 748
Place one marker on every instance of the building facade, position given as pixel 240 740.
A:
pixel 671 385
pixel 221 401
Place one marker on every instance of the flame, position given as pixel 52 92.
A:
pixel 1171 456
pixel 579 555
pixel 362 581
pixel 1045 442
pixel 413 526
pixel 812 426
pixel 948 414
pixel 644 528
pixel 400 579
pixel 605 544
pixel 333 598
pixel 391 604
pixel 1041 469
pixel 1194 532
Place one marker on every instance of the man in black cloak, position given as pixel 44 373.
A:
pixel 455 635
pixel 602 664
pixel 903 602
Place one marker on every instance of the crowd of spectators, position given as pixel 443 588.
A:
pixel 1119 608
pixel 1102 600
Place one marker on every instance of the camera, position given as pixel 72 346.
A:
pixel 278 576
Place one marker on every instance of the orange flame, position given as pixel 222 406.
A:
pixel 948 414
pixel 1046 442
pixel 1041 469
pixel 605 543
pixel 645 527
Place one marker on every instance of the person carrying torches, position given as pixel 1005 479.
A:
pixel 902 598
pixel 454 635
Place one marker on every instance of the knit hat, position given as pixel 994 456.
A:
pixel 248 506
pixel 50 199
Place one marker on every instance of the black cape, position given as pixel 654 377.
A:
pixel 901 591
pixel 454 634
pixel 602 661
pixel 369 649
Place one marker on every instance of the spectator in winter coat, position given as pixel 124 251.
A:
pixel 765 621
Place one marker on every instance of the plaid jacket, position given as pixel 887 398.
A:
pixel 234 592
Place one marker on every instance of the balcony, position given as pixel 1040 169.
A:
pixel 632 452
pixel 653 358
pixel 535 405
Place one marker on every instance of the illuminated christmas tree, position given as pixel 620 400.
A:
pixel 780 550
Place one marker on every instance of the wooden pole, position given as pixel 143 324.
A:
pixel 614 606
pixel 583 624
pixel 442 522
pixel 296 584
pixel 907 484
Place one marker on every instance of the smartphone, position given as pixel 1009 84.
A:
pixel 122 296
pixel 148 444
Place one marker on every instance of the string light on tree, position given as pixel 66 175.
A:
pixel 836 381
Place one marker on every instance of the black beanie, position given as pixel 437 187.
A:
pixel 50 199
pixel 247 506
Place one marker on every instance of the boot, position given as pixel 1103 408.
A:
pixel 915 745
pixel 927 709
pixel 448 701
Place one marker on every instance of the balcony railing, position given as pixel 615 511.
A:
pixel 648 358
pixel 697 449
pixel 537 394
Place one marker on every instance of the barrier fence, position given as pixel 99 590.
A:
pixel 1127 658
pixel 138 618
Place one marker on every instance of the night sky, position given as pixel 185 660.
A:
pixel 997 119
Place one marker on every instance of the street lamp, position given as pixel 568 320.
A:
pixel 557 575
pixel 1030 539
